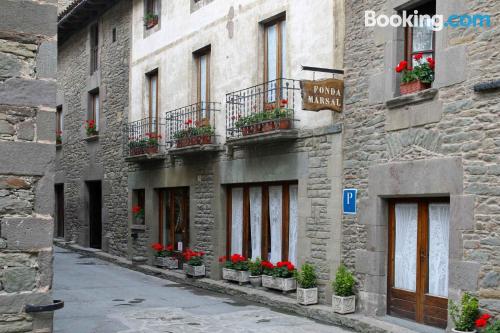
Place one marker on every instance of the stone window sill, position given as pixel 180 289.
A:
pixel 92 138
pixel 59 146
pixel 138 227
pixel 416 98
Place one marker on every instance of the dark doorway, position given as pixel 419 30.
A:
pixel 95 219
pixel 59 212
pixel 174 217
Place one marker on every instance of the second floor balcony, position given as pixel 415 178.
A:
pixel 262 113
pixel 144 139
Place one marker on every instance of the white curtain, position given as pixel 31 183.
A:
pixel 203 84
pixel 237 220
pixel 405 264
pixel 256 220
pixel 439 222
pixel 275 217
pixel 272 52
pixel 294 219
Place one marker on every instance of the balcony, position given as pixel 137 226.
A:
pixel 262 113
pixel 191 129
pixel 144 140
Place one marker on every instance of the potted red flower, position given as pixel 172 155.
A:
pixel 235 269
pixel 138 214
pixel 280 277
pixel 58 137
pixel 484 325
pixel 90 128
pixel 417 78
pixel 153 143
pixel 150 20
pixel 165 256
pixel 194 266
pixel 465 315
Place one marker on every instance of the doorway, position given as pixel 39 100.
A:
pixel 95 214
pixel 174 217
pixel 418 260
pixel 59 210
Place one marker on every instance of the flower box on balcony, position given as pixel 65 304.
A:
pixel 235 275
pixel 206 140
pixel 284 123
pixel 283 284
pixel 268 126
pixel 413 87
pixel 167 262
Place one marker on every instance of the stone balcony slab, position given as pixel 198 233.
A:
pixel 265 137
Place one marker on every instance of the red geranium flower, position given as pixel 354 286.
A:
pixel 481 322
pixel 486 316
pixel 157 247
pixel 222 259
pixel 267 264
pixel 169 248
pixel 418 56
pixel 431 62
pixel 290 266
pixel 136 209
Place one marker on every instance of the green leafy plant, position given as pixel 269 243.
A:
pixel 255 267
pixel 423 71
pixel 344 282
pixel 236 261
pixel 150 17
pixel 206 130
pixel 493 327
pixel 306 277
pixel 193 258
pixel 465 314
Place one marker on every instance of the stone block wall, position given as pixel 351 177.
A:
pixel 457 122
pixel 27 147
pixel 80 160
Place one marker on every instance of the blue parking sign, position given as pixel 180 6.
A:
pixel 349 200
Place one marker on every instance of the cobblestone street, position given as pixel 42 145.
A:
pixel 103 298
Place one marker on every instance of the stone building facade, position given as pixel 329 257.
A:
pixel 439 144
pixel 27 146
pixel 93 76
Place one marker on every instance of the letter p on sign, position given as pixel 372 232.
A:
pixel 349 200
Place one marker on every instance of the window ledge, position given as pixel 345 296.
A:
pixel 92 138
pixel 415 98
pixel 138 227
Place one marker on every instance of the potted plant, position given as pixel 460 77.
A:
pixel 307 282
pixel 90 128
pixel 282 116
pixel 464 315
pixel 279 277
pixel 58 137
pixel 235 269
pixel 194 266
pixel 417 78
pixel 152 143
pixel 138 214
pixel 485 326
pixel 255 268
pixel 206 134
pixel 150 20
pixel 165 256
pixel 343 300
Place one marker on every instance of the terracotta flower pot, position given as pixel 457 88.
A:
pixel 284 123
pixel 268 126
pixel 152 22
pixel 206 139
pixel 413 87
pixel 245 130
pixel 136 151
pixel 179 143
pixel 151 150
pixel 195 140
pixel 257 128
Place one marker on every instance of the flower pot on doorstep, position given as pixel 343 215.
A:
pixel 344 305
pixel 268 126
pixel 284 123
pixel 255 281
pixel 235 275
pixel 457 331
pixel 283 284
pixel 167 262
pixel 307 296
pixel 413 87
pixel 195 271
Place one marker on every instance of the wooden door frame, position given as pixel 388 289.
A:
pixel 168 194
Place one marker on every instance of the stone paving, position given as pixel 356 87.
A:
pixel 104 298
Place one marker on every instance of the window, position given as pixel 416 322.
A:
pixel 153 101
pixel 59 121
pixel 95 108
pixel 262 221
pixel 203 82
pixel 151 13
pixel 114 35
pixel 421 39
pixel 139 205
pixel 274 57
pixel 94 48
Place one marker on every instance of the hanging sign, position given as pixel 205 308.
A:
pixel 325 94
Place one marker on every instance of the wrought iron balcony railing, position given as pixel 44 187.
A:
pixel 191 125
pixel 263 108
pixel 144 137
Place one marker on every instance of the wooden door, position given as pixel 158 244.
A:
pixel 174 217
pixel 418 260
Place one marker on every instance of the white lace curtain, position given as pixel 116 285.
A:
pixel 293 225
pixel 405 258
pixel 275 213
pixel 256 220
pixel 439 222
pixel 237 220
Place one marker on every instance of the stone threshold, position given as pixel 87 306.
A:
pixel 322 313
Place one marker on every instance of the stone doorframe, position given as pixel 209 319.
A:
pixel 436 177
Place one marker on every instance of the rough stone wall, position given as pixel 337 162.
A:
pixel 469 128
pixel 80 160
pixel 27 147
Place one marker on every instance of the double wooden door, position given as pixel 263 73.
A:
pixel 418 260
pixel 174 217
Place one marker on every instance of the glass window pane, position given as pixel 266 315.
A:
pixel 275 219
pixel 237 220
pixel 293 224
pixel 272 50
pixel 405 256
pixel 439 222
pixel 97 111
pixel 203 84
pixel 283 49
pixel 422 37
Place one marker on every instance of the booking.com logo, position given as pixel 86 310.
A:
pixel 434 22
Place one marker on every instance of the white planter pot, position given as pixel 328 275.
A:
pixel 457 331
pixel 307 296
pixel 279 283
pixel 167 262
pixel 195 271
pixel 344 305
pixel 255 281
pixel 234 275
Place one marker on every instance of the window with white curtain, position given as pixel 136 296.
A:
pixel 439 224
pixel 405 258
